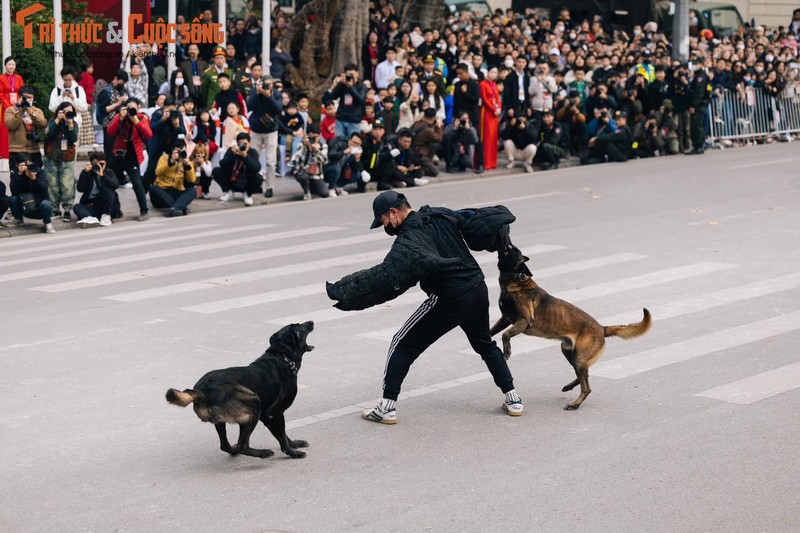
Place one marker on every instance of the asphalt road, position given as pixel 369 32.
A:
pixel 693 427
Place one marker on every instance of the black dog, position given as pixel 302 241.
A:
pixel 243 395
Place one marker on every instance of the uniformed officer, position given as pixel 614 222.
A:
pixel 617 147
pixel 699 95
pixel 209 86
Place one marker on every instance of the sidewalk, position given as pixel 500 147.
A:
pixel 285 190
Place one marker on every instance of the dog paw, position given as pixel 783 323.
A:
pixel 570 407
pixel 299 443
pixel 295 454
pixel 263 454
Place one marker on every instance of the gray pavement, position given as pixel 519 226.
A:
pixel 690 428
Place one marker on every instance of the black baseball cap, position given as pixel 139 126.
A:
pixel 382 203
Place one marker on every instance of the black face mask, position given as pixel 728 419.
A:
pixel 390 230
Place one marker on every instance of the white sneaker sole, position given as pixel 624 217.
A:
pixel 387 421
pixel 511 413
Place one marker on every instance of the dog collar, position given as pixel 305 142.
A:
pixel 291 364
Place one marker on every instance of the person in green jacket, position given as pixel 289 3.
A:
pixel 209 86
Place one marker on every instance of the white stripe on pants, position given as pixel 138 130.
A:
pixel 426 306
pixel 514 153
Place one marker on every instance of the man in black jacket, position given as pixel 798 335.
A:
pixel 265 105
pixel 519 142
pixel 428 250
pixel 515 91
pixel 29 194
pixel 352 96
pixel 239 171
pixel 100 201
pixel 466 99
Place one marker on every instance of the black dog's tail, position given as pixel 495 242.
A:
pixel 183 398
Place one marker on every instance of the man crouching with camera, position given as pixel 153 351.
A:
pixel 29 194
pixel 100 201
pixel 239 171
pixel 174 187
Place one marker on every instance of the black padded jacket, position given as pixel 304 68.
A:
pixel 428 249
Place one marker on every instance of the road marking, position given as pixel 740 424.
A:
pixel 518 199
pixel 159 254
pixel 207 263
pixel 30 241
pixel 764 163
pixel 101 236
pixel 86 250
pixel 678 352
pixel 759 387
pixel 769 211
pixel 247 277
pixel 58 340
pixel 308 290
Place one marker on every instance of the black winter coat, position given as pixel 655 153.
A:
pixel 428 250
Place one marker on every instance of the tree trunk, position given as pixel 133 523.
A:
pixel 326 35
pixel 426 13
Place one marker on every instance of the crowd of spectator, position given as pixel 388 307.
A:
pixel 423 100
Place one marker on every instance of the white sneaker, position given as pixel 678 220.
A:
pixel 510 164
pixel 307 196
pixel 227 196
pixel 128 185
pixel 376 414
pixel 332 193
pixel 513 409
pixel 529 169
pixel 48 228
pixel 248 200
pixel 341 192
pixel 105 220
pixel 419 182
pixel 87 222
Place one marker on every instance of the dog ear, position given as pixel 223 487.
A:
pixel 525 258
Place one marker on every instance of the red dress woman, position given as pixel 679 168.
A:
pixel 491 107
pixel 10 84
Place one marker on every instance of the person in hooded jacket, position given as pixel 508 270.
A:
pixel 428 249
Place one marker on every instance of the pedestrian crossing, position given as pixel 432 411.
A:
pixel 273 271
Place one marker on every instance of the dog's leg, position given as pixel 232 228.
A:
pixel 224 445
pixel 520 326
pixel 499 326
pixel 277 426
pixel 568 349
pixel 243 446
pixel 582 372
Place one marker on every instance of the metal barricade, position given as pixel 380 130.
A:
pixel 751 114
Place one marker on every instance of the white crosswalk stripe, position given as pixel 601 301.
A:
pixel 173 252
pixel 623 367
pixel 759 387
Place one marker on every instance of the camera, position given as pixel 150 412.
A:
pixel 96 167
pixel 182 154
pixel 132 111
pixel 70 114
pixel 242 147
pixel 604 114
pixel 33 136
pixel 120 89
pixel 348 77
pixel 26 103
pixel 119 154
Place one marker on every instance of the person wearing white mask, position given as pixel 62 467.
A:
pixel 175 87
pixel 515 93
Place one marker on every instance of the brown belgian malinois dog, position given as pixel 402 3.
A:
pixel 531 310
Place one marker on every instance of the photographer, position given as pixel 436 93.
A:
pixel 549 151
pixel 344 164
pixel 647 137
pixel 541 91
pixel 109 102
pixel 352 96
pixel 98 183
pixel 519 142
pixel 59 156
pixel 24 120
pixel 265 105
pixel 72 93
pixel 377 159
pixel 307 164
pixel 168 126
pixel 680 99
pixel 406 171
pixel 459 142
pixel 29 196
pixel 615 141
pixel 203 168
pixel 175 181
pixel 573 118
pixel 131 129
pixel 239 171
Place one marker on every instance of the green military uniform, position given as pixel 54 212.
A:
pixel 699 95
pixel 209 86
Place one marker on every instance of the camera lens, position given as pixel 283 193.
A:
pixel 132 110
pixel 70 114
pixel 182 154
pixel 96 167
pixel 242 147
